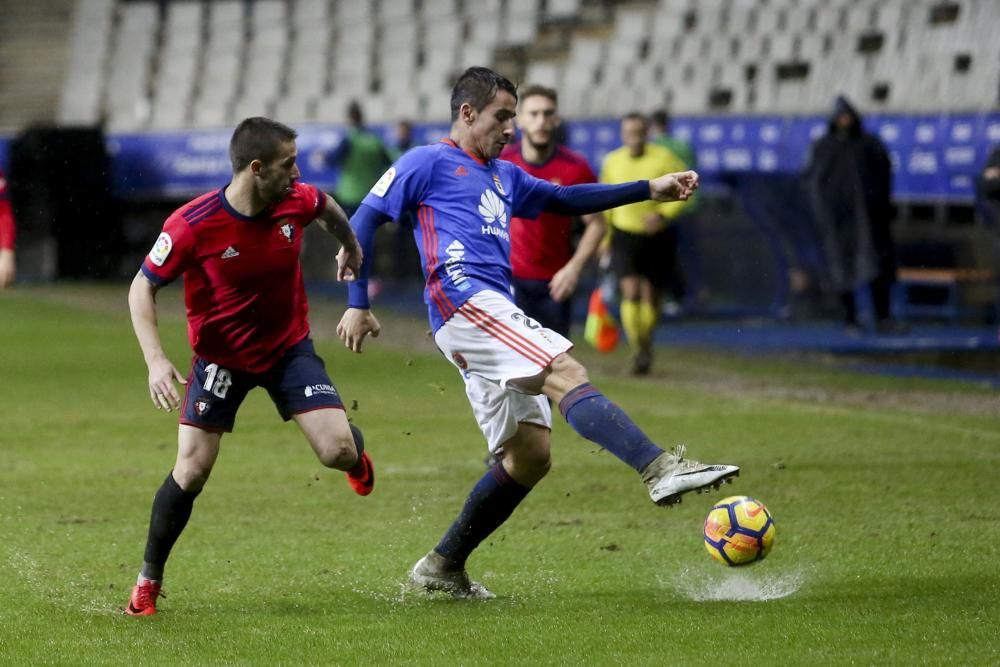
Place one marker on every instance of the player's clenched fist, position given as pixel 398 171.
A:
pixel 673 187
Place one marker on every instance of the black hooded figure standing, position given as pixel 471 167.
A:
pixel 849 183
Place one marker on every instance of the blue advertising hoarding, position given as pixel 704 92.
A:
pixel 935 157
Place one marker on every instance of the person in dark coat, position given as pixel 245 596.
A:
pixel 849 183
pixel 989 179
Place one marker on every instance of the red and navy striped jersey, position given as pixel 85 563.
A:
pixel 246 302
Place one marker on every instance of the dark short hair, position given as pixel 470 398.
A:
pixel 257 138
pixel 478 86
pixel 540 91
pixel 354 113
pixel 635 115
pixel 660 117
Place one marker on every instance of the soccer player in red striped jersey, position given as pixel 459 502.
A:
pixel 237 249
pixel 545 266
pixel 8 268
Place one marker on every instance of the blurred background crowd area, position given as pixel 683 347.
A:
pixel 114 112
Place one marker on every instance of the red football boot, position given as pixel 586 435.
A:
pixel 143 600
pixel 362 476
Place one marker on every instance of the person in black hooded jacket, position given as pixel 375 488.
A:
pixel 849 186
pixel 989 179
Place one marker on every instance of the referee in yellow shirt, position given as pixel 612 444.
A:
pixel 643 250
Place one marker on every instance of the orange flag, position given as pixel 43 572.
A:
pixel 600 330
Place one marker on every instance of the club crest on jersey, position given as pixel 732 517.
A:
pixel 201 406
pixel 288 230
pixel 496 182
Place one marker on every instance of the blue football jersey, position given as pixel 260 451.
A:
pixel 463 208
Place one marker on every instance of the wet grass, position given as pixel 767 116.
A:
pixel 887 516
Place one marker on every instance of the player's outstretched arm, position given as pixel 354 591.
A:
pixel 334 221
pixel 162 373
pixel 673 187
pixel 355 326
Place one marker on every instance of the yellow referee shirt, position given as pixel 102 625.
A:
pixel 620 167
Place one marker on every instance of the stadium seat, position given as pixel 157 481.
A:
pixel 310 13
pixel 211 114
pixel 399 35
pixel 631 26
pixel 226 14
pixel 294 109
pixel 251 103
pixel 168 114
pixel 474 53
pixel 267 13
pixel 397 11
pixel 519 28
pixel 705 55
pixel 81 99
pixel 485 30
pixel 561 9
pixel 544 74
pixel 438 9
pixel 353 12
pixel 444 33
pixel 127 103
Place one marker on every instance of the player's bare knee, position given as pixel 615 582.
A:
pixel 191 474
pixel 528 467
pixel 338 452
pixel 527 456
pixel 540 464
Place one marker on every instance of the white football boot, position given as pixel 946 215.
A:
pixel 670 475
pixel 431 574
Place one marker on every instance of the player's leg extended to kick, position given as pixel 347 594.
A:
pixel 667 475
pixel 524 461
pixel 338 444
pixel 197 451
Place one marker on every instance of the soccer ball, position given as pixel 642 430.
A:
pixel 739 531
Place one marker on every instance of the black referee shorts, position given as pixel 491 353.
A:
pixel 651 256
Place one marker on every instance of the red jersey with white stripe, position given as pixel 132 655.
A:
pixel 246 301
pixel 540 246
pixel 7 231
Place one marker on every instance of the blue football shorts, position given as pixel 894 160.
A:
pixel 297 383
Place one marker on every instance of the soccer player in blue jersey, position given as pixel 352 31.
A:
pixel 463 198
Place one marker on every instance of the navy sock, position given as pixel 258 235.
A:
pixel 491 502
pixel 597 419
pixel 172 507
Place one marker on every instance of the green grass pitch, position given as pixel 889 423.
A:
pixel 884 493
